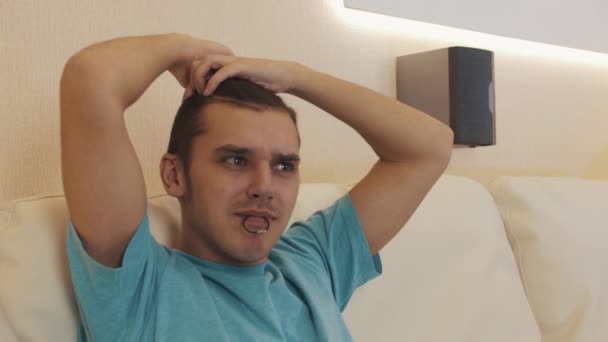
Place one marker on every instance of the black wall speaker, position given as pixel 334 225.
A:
pixel 454 85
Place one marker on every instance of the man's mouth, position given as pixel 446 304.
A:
pixel 256 221
pixel 255 224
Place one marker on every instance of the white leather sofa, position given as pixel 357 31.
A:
pixel 524 259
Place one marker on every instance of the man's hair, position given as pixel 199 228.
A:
pixel 189 121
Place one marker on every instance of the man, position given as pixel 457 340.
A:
pixel 234 275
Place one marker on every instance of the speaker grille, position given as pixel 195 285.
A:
pixel 472 96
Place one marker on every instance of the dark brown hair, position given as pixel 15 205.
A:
pixel 189 121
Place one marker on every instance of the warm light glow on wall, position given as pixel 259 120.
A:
pixel 398 27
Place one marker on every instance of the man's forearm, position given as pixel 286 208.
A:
pixel 396 132
pixel 121 69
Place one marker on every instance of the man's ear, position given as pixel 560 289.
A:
pixel 172 175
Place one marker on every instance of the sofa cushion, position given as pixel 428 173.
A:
pixel 558 228
pixel 449 275
pixel 450 268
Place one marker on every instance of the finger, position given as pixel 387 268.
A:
pixel 222 74
pixel 193 75
pixel 204 69
pixel 202 74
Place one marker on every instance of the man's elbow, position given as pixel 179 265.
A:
pixel 78 73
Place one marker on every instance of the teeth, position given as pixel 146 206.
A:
pixel 262 231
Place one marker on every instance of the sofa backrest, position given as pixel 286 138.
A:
pixel 449 275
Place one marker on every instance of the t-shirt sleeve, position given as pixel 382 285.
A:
pixel 108 298
pixel 335 236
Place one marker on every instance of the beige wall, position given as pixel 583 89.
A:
pixel 551 112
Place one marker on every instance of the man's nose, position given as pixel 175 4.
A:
pixel 260 185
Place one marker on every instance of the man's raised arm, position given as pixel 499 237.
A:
pixel 102 178
pixel 413 149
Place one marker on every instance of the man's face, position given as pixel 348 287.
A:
pixel 244 171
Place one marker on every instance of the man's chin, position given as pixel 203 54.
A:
pixel 251 260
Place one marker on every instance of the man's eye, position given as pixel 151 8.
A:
pixel 238 161
pixel 285 167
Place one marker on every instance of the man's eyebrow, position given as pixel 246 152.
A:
pixel 287 157
pixel 234 149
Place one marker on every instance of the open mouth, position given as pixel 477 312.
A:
pixel 255 224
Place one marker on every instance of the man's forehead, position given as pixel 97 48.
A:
pixel 256 129
pixel 223 109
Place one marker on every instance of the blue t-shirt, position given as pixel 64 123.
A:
pixel 162 294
